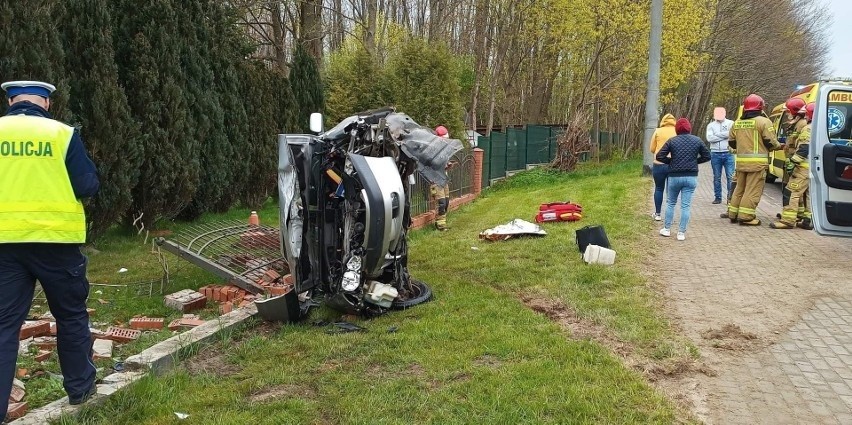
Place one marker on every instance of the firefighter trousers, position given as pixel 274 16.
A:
pixel 442 197
pixel 799 205
pixel 747 195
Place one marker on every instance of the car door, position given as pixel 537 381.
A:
pixel 831 161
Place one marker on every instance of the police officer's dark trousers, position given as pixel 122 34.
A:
pixel 61 270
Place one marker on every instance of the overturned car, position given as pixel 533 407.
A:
pixel 344 198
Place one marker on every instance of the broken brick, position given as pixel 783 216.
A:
pixel 43 355
pixel 53 330
pixel 147 323
pixel 243 303
pixel 288 279
pixel 22 372
pixel 278 290
pixel 226 307
pixel 186 322
pixel 122 335
pixel 16 410
pixel 271 275
pixel 37 328
pixel 186 300
pixel 17 394
pixel 45 342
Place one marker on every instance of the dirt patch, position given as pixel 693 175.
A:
pixel 276 392
pixel 667 376
pixel 730 337
pixel 579 328
pixel 488 360
pixel 210 361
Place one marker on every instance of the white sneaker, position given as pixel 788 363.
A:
pixel 665 232
pixel 681 236
pixel 657 217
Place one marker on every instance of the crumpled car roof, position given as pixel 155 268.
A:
pixel 431 152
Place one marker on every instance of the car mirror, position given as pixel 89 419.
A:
pixel 316 122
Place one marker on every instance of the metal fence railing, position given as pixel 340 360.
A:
pixel 461 183
pixel 516 148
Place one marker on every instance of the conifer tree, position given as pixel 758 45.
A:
pixel 205 116
pixel 306 84
pixel 31 49
pixel 261 149
pixel 108 130
pixel 149 68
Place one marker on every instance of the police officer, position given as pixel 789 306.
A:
pixel 753 137
pixel 441 194
pixel 796 121
pixel 44 172
pixel 798 169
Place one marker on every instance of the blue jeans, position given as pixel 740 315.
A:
pixel 660 172
pixel 719 160
pixel 685 186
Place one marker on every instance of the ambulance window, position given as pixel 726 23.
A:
pixel 840 117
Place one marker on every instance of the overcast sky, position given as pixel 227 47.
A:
pixel 841 38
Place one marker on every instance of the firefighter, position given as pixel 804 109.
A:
pixel 44 172
pixel 441 194
pixel 795 109
pixel 798 169
pixel 753 137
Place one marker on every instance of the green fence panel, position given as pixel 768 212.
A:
pixel 538 144
pixel 498 154
pixel 484 143
pixel 516 142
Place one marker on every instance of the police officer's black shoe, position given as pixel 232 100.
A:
pixel 75 400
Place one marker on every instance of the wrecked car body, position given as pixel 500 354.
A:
pixel 345 197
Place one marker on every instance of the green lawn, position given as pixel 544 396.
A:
pixel 476 354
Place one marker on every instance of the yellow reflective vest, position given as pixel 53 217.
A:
pixel 37 202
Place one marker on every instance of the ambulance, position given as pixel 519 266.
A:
pixel 831 158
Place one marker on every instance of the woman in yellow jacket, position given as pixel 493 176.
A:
pixel 661 171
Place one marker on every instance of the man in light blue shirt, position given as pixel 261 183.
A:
pixel 720 157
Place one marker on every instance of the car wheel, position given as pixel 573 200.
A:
pixel 417 293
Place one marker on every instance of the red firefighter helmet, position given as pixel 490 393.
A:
pixel 809 111
pixel 794 105
pixel 441 131
pixel 753 102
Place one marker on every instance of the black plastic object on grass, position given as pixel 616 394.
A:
pixel 591 235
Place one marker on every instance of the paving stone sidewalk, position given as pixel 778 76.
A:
pixel 790 293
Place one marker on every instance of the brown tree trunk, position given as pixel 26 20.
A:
pixel 310 22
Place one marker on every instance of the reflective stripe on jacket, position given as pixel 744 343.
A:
pixel 747 138
pixel 37 201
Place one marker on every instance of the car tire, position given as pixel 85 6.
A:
pixel 424 294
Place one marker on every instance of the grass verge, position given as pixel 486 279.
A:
pixel 474 355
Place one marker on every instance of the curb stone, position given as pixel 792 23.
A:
pixel 156 360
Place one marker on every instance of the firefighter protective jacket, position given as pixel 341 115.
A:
pixel 753 138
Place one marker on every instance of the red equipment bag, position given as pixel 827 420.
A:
pixel 559 211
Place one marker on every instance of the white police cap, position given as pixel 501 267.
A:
pixel 37 88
